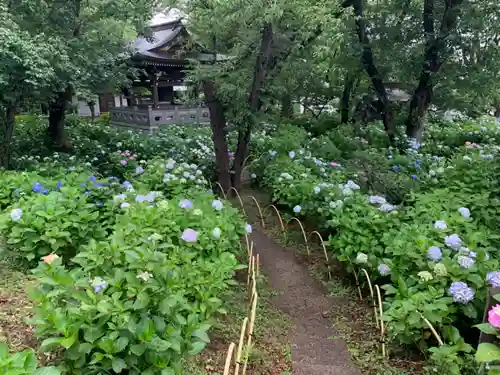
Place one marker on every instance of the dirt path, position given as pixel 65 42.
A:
pixel 315 348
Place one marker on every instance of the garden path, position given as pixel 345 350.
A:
pixel 316 348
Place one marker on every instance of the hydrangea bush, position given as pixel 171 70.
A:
pixel 430 240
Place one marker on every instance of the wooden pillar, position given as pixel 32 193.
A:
pixel 155 90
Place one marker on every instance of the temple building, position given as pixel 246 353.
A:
pixel 161 95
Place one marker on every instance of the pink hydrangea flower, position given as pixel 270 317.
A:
pixel 123 162
pixel 334 164
pixel 494 316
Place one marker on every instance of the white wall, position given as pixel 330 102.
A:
pixel 84 110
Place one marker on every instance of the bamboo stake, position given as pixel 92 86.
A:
pixel 433 330
pixel 221 190
pixel 279 216
pixel 249 270
pixel 303 234
pixel 228 358
pixel 324 252
pixel 237 359
pixel 260 211
pixel 239 198
pixel 372 294
pixel 250 331
pixel 382 328
pixel 258 265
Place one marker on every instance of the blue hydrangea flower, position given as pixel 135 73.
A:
pixel 493 278
pixel 297 209
pixel 248 228
pixel 396 167
pixel 59 185
pixel 127 185
pixel 376 199
pixel 124 205
pixel 140 198
pixel 99 284
pixel 465 212
pixel 217 205
pixel 465 262
pixel 387 207
pixel 413 177
pixel 216 233
pixel 37 187
pixel 139 170
pixel 291 154
pixel 384 269
pixel 16 214
pixel 185 203
pixel 453 241
pixel 440 224
pixel 92 178
pixel 273 153
pixel 434 253
pixel 189 235
pixel 461 292
pixel 317 189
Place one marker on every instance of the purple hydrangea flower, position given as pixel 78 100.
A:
pixel 493 278
pixel 185 203
pixel 434 253
pixel 189 235
pixel 217 205
pixel 465 262
pixel 461 292
pixel 248 228
pixel 453 241
pixel 123 162
pixel 384 269
pixel 297 209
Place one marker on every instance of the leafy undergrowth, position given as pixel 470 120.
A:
pixel 268 355
pixel 352 319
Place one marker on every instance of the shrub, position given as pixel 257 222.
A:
pixel 144 299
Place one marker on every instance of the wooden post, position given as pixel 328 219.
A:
pixel 156 99
pixel 490 302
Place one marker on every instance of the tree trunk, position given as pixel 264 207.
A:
pixel 218 125
pixel 91 105
pixel 57 121
pixel 434 46
pixel 286 106
pixel 371 69
pixel 346 96
pixel 244 132
pixel 7 130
